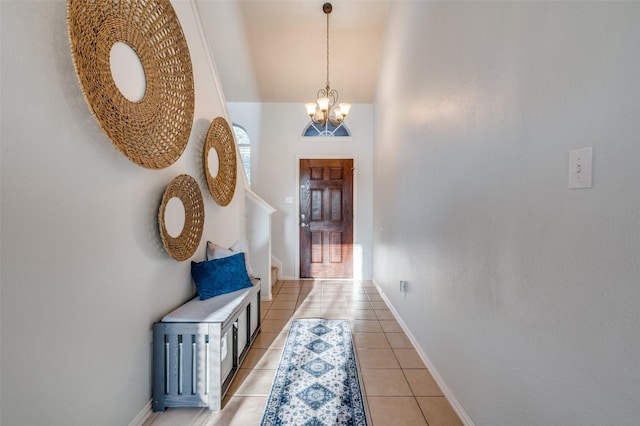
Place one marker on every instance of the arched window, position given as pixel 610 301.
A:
pixel 327 129
pixel 244 146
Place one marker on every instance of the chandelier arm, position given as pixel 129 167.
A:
pixel 333 95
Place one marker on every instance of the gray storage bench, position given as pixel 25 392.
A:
pixel 198 347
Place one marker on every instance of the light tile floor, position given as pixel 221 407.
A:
pixel 397 387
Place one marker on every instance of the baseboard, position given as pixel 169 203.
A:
pixel 464 417
pixel 142 416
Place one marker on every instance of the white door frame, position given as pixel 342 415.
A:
pixel 296 266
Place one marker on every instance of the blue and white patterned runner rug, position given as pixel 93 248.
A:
pixel 317 379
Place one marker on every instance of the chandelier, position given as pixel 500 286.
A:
pixel 326 110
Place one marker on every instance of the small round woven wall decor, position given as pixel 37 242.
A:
pixel 153 131
pixel 223 185
pixel 187 190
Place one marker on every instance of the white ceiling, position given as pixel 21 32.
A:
pixel 275 50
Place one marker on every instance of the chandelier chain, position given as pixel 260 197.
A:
pixel 328 51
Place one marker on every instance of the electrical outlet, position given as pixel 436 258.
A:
pixel 403 286
pixel 580 168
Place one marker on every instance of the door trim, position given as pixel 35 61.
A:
pixel 299 157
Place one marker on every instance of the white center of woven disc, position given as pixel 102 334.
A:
pixel 213 162
pixel 127 71
pixel 174 217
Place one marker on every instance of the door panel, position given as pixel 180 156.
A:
pixel 326 218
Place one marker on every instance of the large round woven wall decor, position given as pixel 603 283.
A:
pixel 154 130
pixel 223 185
pixel 184 245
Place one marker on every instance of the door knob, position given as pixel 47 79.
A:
pixel 303 225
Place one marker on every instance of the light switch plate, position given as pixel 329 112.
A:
pixel 580 168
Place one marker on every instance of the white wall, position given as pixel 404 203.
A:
pixel 226 36
pixel 84 272
pixel 522 293
pixel 275 129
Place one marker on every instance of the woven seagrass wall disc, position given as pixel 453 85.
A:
pixel 184 245
pixel 153 131
pixel 223 185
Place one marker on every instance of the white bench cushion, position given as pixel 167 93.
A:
pixel 215 309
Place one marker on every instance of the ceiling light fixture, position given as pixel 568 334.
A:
pixel 325 110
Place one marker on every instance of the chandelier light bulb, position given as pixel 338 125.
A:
pixel 323 104
pixel 344 109
pixel 311 109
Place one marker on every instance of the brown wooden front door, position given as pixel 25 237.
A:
pixel 326 218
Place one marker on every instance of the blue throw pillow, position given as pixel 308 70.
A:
pixel 220 276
